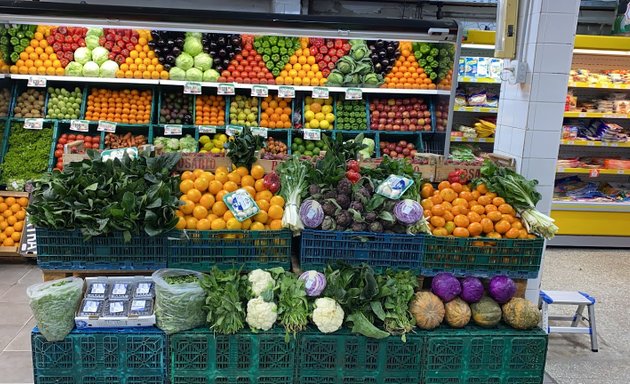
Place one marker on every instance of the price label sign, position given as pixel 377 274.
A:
pixel 286 92
pixel 207 129
pixel 354 94
pixel 106 126
pixel 570 142
pixel 582 114
pixel 226 89
pixel 233 130
pixel 312 134
pixel 621 172
pixel 33 123
pixel 613 144
pixel 320 93
pixel 594 173
pixel 79 125
pixel 590 143
pixel 192 88
pixel 36 81
pixel 172 130
pixel 262 132
pixel 260 91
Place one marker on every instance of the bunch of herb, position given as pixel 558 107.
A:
pixel 294 181
pixel 27 156
pixel 226 291
pixel 100 197
pixel 401 167
pixel 521 194
pixel 330 169
pixel 396 289
pixel 241 149
pixel 293 307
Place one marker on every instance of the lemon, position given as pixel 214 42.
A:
pixel 222 137
pixel 314 124
pixel 215 150
pixel 218 143
pixel 309 115
pixel 324 124
pixel 327 109
pixel 208 146
pixel 307 125
pixel 205 139
pixel 330 117
pixel 320 116
pixel 203 151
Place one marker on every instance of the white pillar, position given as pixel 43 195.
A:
pixel 530 115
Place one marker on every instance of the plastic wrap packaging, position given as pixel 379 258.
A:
pixel 54 304
pixel 178 307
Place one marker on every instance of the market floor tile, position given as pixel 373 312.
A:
pixel 602 273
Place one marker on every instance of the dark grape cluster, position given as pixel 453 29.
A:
pixel 222 48
pixel 167 46
pixel 384 55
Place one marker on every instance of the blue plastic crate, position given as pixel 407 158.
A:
pixel 117 356
pixel 68 250
pixel 202 250
pixel 379 250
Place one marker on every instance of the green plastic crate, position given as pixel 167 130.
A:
pixel 517 258
pixel 116 356
pixel 343 358
pixel 202 357
pixel 202 250
pixel 477 355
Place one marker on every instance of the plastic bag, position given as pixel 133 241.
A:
pixel 54 304
pixel 179 306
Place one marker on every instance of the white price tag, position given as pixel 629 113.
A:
pixel 33 123
pixel 262 132
pixel 590 143
pixel 610 115
pixel 207 129
pixel 192 88
pixel 172 130
pixel 320 93
pixel 226 89
pixel 36 81
pixel 354 94
pixel 582 114
pixel 260 91
pixel 106 126
pixel 613 144
pixel 312 134
pixel 621 171
pixel 286 92
pixel 232 130
pixel 594 173
pixel 79 125
pixel 476 109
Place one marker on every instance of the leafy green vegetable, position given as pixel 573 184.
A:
pixel 27 156
pixel 242 149
pixel 293 307
pixel 396 291
pixel 100 197
pixel 179 300
pixel 294 181
pixel 54 304
pixel 226 291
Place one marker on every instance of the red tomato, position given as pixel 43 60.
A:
pixel 247 80
pixel 254 81
pixel 72 137
pixel 225 73
pixel 63 141
pixel 268 76
pixel 221 79
pixel 59 146
pixel 236 73
pixel 80 137
pixel 88 139
pixel 238 58
pixel 240 68
pixel 238 80
pixel 58 153
pixel 263 81
pixel 231 68
pixel 64 136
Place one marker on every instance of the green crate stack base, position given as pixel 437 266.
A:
pixel 202 357
pixel 133 356
pixel 476 355
pixel 202 250
pixel 517 258
pixel 344 358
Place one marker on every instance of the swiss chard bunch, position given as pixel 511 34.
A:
pixel 276 51
pixel 242 148
pixel 100 197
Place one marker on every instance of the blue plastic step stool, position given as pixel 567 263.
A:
pixel 580 299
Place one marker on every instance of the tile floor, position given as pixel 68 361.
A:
pixel 602 273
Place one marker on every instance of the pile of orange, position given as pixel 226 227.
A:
pixel 38 58
pixel 142 62
pixel 446 82
pixel 301 68
pixel 461 211
pixel 12 216
pixel 203 207
pixel 210 110
pixel 276 112
pixel 127 106
pixel 406 72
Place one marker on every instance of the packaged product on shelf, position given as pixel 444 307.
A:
pixel 496 67
pixel 569 132
pixel 144 289
pixel 483 67
pixel 97 289
pixel 141 307
pixel 120 289
pixel 470 66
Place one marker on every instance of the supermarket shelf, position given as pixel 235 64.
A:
pixel 559 205
pixel 597 115
pixel 476 109
pixel 456 139
pixel 590 143
pixel 589 241
pixel 599 86
pixel 483 80
pixel 77 79
pixel 594 171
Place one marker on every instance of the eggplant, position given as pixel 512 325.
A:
pixel 226 62
pixel 374 57
pixel 206 49
pixel 167 67
pixel 382 54
pixel 384 63
pixel 235 40
pixel 213 45
pixel 176 51
pixel 170 43
pixel 221 41
pixel 222 52
pixel 390 50
pixel 379 44
pixel 378 67
pixel 389 68
pixel 229 48
pixel 395 44
pixel 179 41
pixel 155 34
pixel 170 59
pixel 238 49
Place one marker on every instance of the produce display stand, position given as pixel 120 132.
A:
pixel 146 355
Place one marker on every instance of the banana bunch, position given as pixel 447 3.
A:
pixel 485 128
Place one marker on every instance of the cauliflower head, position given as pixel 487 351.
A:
pixel 328 315
pixel 261 281
pixel 261 315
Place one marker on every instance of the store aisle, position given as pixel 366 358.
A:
pixel 602 273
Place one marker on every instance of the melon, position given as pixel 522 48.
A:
pixel 427 309
pixel 457 313
pixel 486 312
pixel 521 314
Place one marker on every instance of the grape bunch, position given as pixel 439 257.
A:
pixel 222 48
pixel 167 45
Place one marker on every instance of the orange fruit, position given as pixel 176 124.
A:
pixel 461 221
pixel 233 224
pixel 482 189
pixel 461 232
pixel 217 224
pixel 263 205
pixel 220 194
pixel 515 224
pixel 438 210
pixel 206 201
pixel 194 195
pixel 186 185
pixel 276 212
pixel 11 220
pixel 3 207
pixel 191 223
pixel 261 217
pixel 245 224
pixel 201 184
pixel 221 168
pixel 203 224
pixel 19 226
pixel 247 180
pixel 277 200
pixel 221 177
pixel 498 201
pixel 487 225
pixel 181 223
pixel 475 229
pixel 188 207
pixel 484 200
pixel 502 226
pixel 275 225
pixel 8 242
pixel 264 195
pixel 234 177
pixel 250 190
pixel 466 195
pixel 242 171
pixel 427 190
pixel 228 215
pixel 257 226
pixel 440 232
pixel 460 201
pixel 259 185
pixel 450 227
pixel 457 187
pixel 219 208
pixel 512 233
pixel 212 217
pixel 258 172
pixel 474 217
pixel 437 221
pixel 215 186
pixel 230 186
pixel 200 212
pixel 23 201
pixel 495 216
pixel 504 208
pixel 491 208
pixel 444 184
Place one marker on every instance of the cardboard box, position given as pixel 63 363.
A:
pixel 473 170
pixel 269 165
pixel 205 161
pixel 83 322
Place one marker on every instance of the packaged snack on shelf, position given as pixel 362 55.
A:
pixel 477 98
pixel 496 67
pixel 470 67
pixel 483 67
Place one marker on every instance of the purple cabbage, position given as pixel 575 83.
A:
pixel 314 282
pixel 472 290
pixel 408 211
pixel 501 289
pixel 446 286
pixel 311 214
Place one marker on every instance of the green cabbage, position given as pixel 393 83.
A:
pixel 184 61
pixel 100 55
pixel 192 46
pixel 91 41
pixel 211 75
pixel 98 32
pixel 193 74
pixel 91 69
pixel 82 55
pixel 203 61
pixel 177 74
pixel 74 69
pixel 335 78
pixel 109 69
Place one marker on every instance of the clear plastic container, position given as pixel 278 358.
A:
pixel 116 308
pixel 91 307
pixel 141 307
